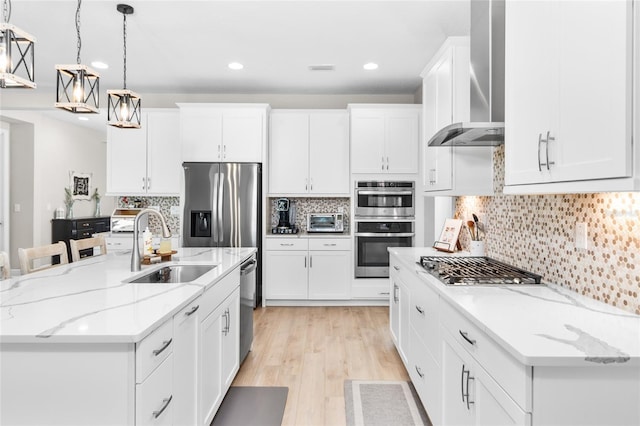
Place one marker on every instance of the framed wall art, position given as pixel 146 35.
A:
pixel 81 185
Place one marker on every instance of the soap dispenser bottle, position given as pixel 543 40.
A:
pixel 147 239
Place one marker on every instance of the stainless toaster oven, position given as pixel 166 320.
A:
pixel 325 222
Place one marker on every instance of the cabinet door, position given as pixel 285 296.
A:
pixel 231 340
pixel 489 410
pixel 530 88
pixel 242 135
pixel 163 153
pixel 289 153
pixel 286 275
pixel 185 366
pixel 367 142
pixel 402 137
pixel 437 160
pixel 210 366
pixel 593 137
pixel 127 160
pixel 154 396
pixel 329 153
pixel 201 134
pixel 455 387
pixel 329 275
pixel 394 310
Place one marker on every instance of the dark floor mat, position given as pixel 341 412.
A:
pixel 252 406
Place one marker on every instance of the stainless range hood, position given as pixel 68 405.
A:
pixel 486 127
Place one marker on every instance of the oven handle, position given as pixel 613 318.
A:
pixel 386 192
pixel 389 234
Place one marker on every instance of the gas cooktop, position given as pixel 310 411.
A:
pixel 475 271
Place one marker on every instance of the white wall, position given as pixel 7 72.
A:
pixel 58 148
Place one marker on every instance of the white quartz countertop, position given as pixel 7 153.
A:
pixel 90 300
pixel 544 325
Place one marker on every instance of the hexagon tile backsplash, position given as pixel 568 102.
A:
pixel 538 233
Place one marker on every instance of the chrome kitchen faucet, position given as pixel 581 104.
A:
pixel 135 253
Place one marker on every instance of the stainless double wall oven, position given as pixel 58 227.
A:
pixel 384 217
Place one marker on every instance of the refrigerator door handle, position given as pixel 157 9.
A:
pixel 215 213
pixel 220 199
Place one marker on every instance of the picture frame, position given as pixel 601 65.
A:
pixel 81 185
pixel 448 240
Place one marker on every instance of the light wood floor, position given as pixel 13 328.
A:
pixel 312 350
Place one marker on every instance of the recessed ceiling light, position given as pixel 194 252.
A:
pixel 82 118
pixel 322 67
pixel 235 66
pixel 370 66
pixel 100 65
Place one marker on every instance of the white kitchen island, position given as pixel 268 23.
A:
pixel 81 345
pixel 513 354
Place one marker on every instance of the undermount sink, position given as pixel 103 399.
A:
pixel 174 274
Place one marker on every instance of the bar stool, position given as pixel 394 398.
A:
pixel 28 255
pixel 5 268
pixel 86 243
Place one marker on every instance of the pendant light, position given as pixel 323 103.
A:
pixel 124 109
pixel 16 54
pixel 78 86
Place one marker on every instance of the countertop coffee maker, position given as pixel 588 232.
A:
pixel 286 217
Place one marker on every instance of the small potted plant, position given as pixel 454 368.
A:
pixel 96 197
pixel 68 202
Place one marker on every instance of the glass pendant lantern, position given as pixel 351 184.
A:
pixel 124 106
pixel 77 85
pixel 17 54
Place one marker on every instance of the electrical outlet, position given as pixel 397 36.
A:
pixel 340 209
pixel 17 208
pixel 156 208
pixel 581 235
pixel 175 210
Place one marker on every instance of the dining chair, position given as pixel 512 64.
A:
pixel 28 255
pixel 5 268
pixel 86 243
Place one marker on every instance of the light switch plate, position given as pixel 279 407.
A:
pixel 581 235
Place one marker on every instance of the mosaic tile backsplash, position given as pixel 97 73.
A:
pixel 537 233
pixel 313 205
pixel 165 204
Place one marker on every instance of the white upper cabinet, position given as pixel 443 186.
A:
pixel 384 138
pixel 568 118
pixel 445 99
pixel 223 132
pixel 145 161
pixel 309 152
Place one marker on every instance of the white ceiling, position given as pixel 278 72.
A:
pixel 185 46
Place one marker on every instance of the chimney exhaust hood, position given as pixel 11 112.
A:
pixel 486 126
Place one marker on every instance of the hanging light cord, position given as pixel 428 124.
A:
pixel 6 10
pixel 124 36
pixel 78 30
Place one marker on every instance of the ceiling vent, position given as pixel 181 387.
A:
pixel 322 67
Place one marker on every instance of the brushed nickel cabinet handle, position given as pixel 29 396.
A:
pixel 192 311
pixel 165 344
pixel 420 309
pixel 166 403
pixel 419 371
pixel 465 336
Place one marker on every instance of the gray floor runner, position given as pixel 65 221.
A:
pixel 252 406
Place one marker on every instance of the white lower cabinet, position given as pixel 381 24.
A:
pixel 154 396
pixel 470 396
pixel 185 364
pixel 308 269
pixel 219 352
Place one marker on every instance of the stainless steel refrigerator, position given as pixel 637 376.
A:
pixel 222 208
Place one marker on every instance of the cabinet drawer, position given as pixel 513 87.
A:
pixel 154 349
pixel 218 292
pixel 287 244
pixel 360 289
pixel 329 244
pixel 424 316
pixel 154 396
pixel 426 376
pixel 514 377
